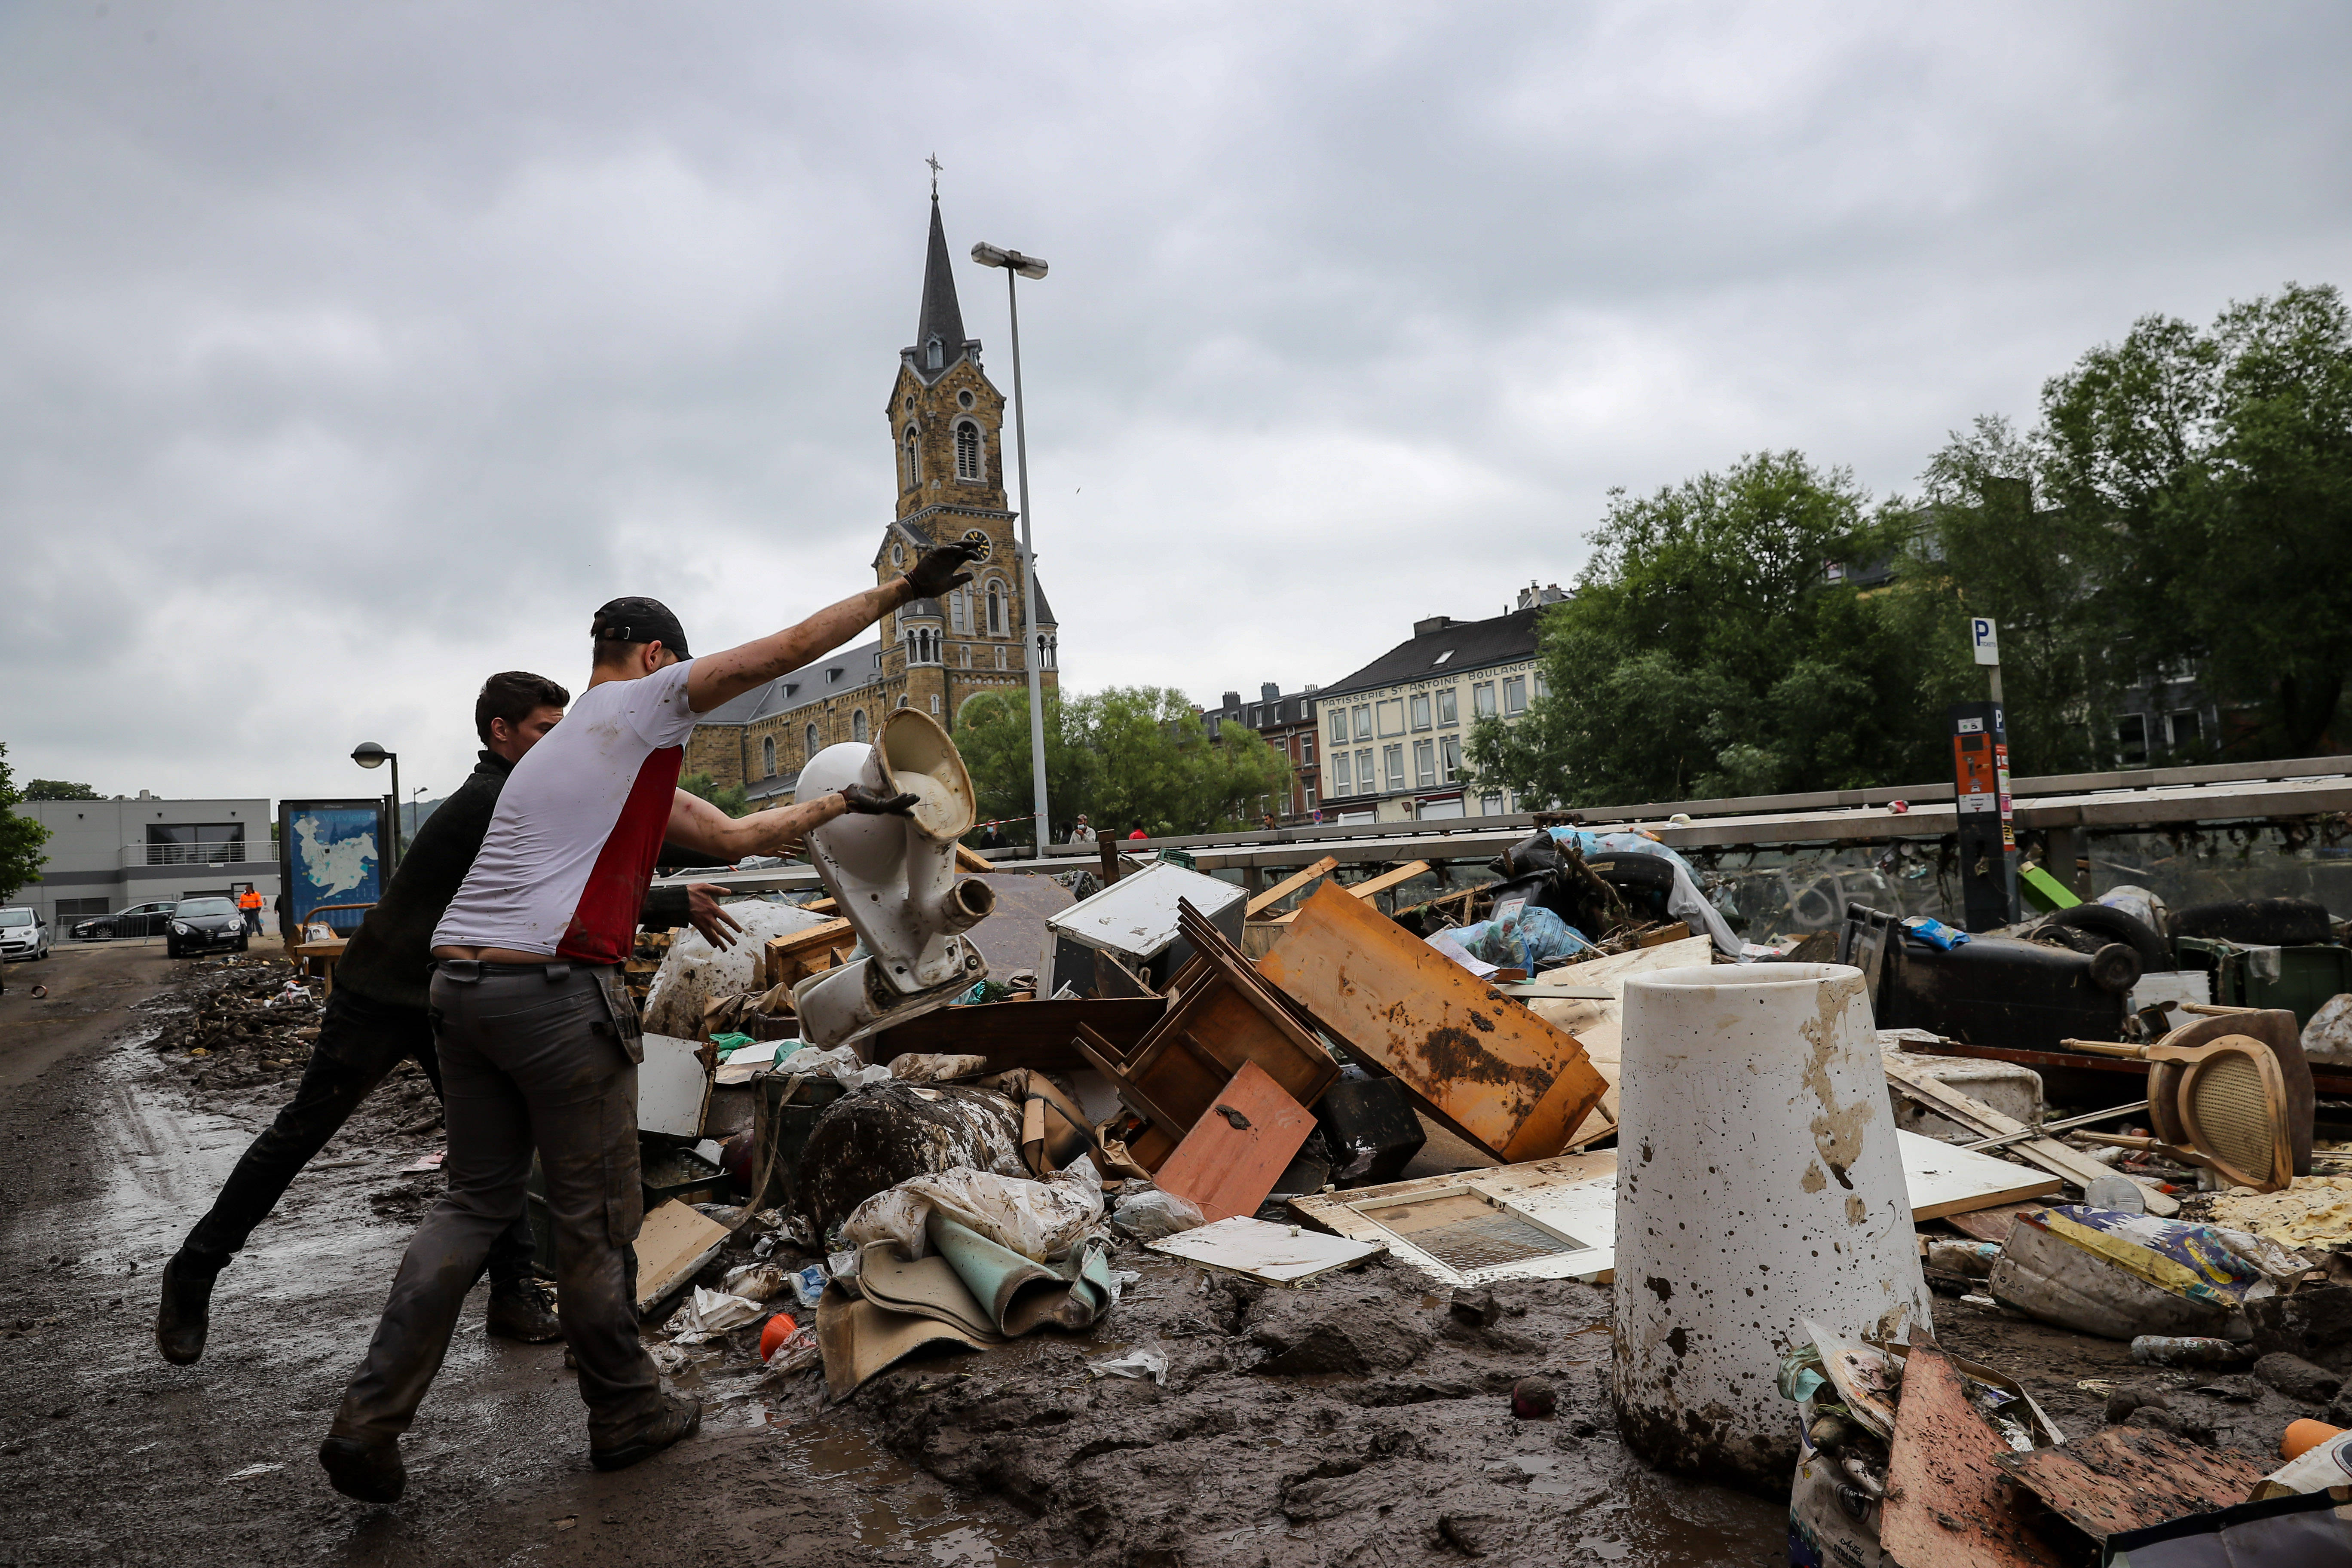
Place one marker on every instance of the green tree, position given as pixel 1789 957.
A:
pixel 1127 754
pixel 20 838
pixel 1707 652
pixel 728 798
pixel 57 789
pixel 2221 462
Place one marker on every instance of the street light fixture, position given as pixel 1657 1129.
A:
pixel 368 755
pixel 1016 264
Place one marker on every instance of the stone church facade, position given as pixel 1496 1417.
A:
pixel 947 423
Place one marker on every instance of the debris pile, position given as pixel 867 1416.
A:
pixel 238 1024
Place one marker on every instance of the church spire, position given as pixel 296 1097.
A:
pixel 939 341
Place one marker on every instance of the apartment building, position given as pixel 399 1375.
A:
pixel 1287 724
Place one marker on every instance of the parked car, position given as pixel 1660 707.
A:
pixel 200 925
pixel 138 920
pixel 23 934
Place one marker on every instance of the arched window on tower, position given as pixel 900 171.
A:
pixel 967 451
pixel 768 757
pixel 995 608
pixel 810 748
pixel 857 724
pixel 914 475
pixel 933 355
pixel 956 617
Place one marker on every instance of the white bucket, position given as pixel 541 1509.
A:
pixel 1758 1184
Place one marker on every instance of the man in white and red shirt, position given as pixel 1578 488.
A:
pixel 537 1041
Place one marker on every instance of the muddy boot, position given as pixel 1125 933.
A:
pixel 681 1421
pixel 371 1472
pixel 186 1311
pixel 522 1310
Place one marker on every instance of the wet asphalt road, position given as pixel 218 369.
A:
pixel 109 1455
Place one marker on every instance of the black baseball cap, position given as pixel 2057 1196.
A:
pixel 641 620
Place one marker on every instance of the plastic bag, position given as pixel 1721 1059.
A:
pixel 1041 1220
pixel 1528 938
pixel 844 1064
pixel 756 1282
pixel 1152 1364
pixel 711 1313
pixel 1148 1217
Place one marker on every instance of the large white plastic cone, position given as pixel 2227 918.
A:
pixel 1758 1184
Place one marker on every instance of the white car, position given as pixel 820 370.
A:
pixel 23 934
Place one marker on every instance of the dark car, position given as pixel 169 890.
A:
pixel 200 925
pixel 140 920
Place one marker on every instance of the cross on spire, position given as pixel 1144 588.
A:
pixel 934 161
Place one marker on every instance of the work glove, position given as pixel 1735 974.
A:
pixel 937 571
pixel 866 802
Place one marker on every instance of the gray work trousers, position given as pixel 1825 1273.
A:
pixel 530 1058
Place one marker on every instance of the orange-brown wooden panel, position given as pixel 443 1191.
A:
pixel 1239 1148
pixel 1479 1062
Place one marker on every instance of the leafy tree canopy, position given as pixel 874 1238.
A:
pixel 730 799
pixel 1123 755
pixel 57 789
pixel 20 838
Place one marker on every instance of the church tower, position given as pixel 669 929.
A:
pixel 946 420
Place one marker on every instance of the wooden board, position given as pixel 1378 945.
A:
pixel 1369 888
pixel 2129 1478
pixel 1576 1194
pixel 1233 1156
pixel 1040 1035
pixel 675 1240
pixel 2072 1165
pixel 790 957
pixel 1946 1504
pixel 1288 886
pixel 1276 1254
pixel 1480 1063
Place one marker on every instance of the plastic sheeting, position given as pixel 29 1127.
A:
pixel 1041 1220
pixel 1529 938
pixel 1685 901
pixel 693 972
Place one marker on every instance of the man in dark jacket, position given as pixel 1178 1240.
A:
pixel 377 1018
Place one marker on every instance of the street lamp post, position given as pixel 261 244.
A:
pixel 1016 264
pixel 368 755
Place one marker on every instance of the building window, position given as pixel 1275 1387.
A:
pixel 2131 739
pixel 1365 782
pixel 955 611
pixel 2186 728
pixel 1393 757
pixel 1307 750
pixel 1425 765
pixel 967 451
pixel 1420 711
pixel 1339 725
pixel 1490 806
pixel 1449 758
pixel 1482 700
pixel 1515 694
pixel 1341 777
pixel 902 699
pixel 914 460
pixel 1390 715
pixel 857 724
pixel 995 609
pixel 768 757
pixel 935 704
pixel 1000 655
pixel 1446 712
pixel 1541 690
pixel 1363 713
pixel 934 355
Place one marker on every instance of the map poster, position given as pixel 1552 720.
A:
pixel 329 852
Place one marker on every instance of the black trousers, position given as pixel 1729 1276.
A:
pixel 360 1042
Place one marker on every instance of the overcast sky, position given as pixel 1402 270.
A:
pixel 347 353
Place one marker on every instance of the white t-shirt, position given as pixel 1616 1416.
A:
pixel 571 850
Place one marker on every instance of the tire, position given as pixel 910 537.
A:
pixel 1633 869
pixel 2116 926
pixel 2284 922
pixel 241 942
pixel 171 950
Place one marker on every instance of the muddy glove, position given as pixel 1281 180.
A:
pixel 936 572
pixel 868 801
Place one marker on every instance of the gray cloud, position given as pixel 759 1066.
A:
pixel 348 354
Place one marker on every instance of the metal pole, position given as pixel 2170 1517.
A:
pixel 395 814
pixel 1028 578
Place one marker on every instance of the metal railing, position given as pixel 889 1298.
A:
pixel 231 853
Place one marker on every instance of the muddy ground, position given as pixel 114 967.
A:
pixel 1359 1420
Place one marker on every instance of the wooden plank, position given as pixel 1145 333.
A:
pixel 1947 1503
pixel 970 859
pixel 1944 1180
pixel 1974 1114
pixel 1011 1035
pixel 1288 886
pixel 1481 1063
pixel 674 1241
pixel 1387 879
pixel 1234 1153
pixel 2129 1478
